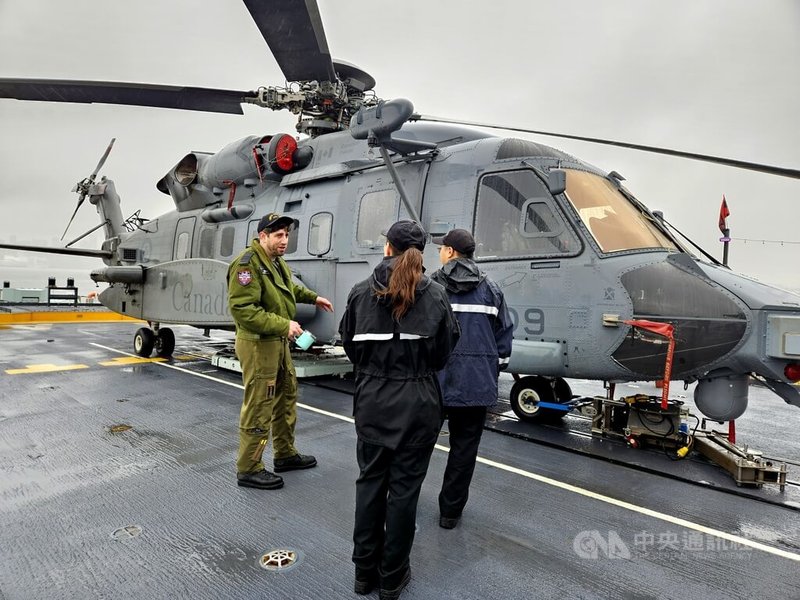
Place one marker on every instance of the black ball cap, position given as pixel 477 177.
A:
pixel 274 221
pixel 459 240
pixel 406 234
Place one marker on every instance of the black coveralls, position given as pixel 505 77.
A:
pixel 398 413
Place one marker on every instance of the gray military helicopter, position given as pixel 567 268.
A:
pixel 574 251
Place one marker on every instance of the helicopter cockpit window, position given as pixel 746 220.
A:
pixel 320 228
pixel 614 221
pixel 226 241
pixel 539 220
pixel 378 210
pixel 516 216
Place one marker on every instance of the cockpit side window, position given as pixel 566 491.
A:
pixel 516 217
pixel 613 220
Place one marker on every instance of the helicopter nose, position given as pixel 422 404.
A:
pixel 709 321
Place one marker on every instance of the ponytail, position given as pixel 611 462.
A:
pixel 403 280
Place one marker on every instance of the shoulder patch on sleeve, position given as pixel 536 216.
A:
pixel 244 277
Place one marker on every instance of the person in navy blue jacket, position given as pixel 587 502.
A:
pixel 469 379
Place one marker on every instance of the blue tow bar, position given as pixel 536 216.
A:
pixel 554 406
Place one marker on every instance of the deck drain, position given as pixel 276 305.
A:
pixel 279 560
pixel 119 428
pixel 127 532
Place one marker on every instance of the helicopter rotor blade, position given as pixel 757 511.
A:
pixel 295 35
pixel 83 186
pixel 81 198
pixel 133 94
pixel 65 251
pixel 102 160
pixel 739 164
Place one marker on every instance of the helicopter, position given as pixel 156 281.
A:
pixel 574 251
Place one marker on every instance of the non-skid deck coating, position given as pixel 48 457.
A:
pixel 153 511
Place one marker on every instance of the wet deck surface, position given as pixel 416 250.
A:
pixel 69 487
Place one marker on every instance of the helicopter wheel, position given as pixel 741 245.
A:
pixel 165 342
pixel 144 340
pixel 529 391
pixel 563 391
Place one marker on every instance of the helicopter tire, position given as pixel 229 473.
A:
pixel 144 340
pixel 563 391
pixel 165 342
pixel 526 394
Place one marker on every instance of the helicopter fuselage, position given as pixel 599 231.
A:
pixel 573 264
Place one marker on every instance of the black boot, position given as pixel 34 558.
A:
pixel 292 463
pixel 448 522
pixel 263 480
pixel 366 580
pixel 394 593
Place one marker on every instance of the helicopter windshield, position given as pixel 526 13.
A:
pixel 615 223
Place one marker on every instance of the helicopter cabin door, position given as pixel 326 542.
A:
pixel 184 232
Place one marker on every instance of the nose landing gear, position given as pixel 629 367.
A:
pixel 536 399
pixel 145 340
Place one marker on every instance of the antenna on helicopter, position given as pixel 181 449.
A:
pixel 84 185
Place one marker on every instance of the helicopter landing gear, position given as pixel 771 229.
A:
pixel 144 340
pixel 563 391
pixel 528 392
pixel 162 340
pixel 165 342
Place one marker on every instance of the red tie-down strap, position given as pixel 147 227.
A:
pixel 666 330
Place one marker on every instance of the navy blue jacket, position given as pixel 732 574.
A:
pixel 470 375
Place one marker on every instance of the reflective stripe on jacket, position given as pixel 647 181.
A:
pixel 470 376
pixel 397 400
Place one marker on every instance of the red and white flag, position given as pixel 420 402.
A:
pixel 724 213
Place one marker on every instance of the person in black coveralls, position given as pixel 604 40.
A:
pixel 398 330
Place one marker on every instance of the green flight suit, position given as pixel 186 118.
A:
pixel 261 298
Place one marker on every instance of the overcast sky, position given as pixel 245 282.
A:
pixel 719 77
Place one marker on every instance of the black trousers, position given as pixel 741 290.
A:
pixel 387 491
pixel 466 427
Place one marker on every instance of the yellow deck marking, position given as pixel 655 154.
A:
pixel 45 369
pixel 63 317
pixel 130 360
pixel 546 480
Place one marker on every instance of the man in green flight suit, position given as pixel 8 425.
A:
pixel 261 298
